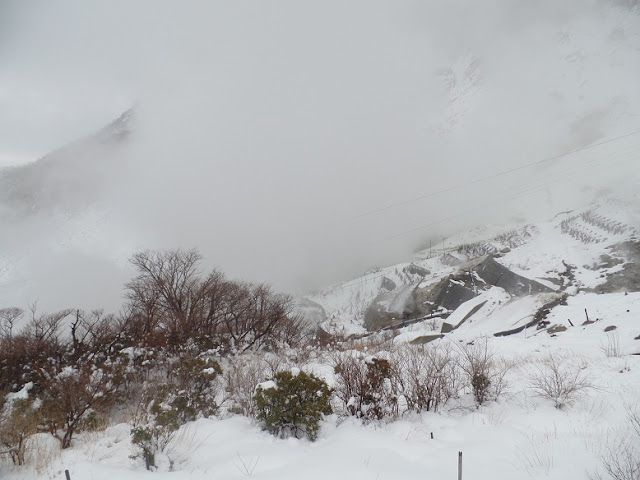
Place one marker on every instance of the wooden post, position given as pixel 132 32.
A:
pixel 459 465
pixel 66 474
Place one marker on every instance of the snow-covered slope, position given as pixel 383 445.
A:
pixel 572 252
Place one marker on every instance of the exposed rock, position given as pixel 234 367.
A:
pixel 425 339
pixel 389 308
pixel 610 328
pixel 395 305
pixel 387 284
pixel 446 328
pixel 417 270
pixel 453 294
pixel 627 279
pixel 477 275
pixel 556 329
pixel 607 261
pixel 500 276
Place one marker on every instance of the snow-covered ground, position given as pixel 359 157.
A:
pixel 520 436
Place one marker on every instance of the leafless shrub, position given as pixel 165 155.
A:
pixel 18 422
pixel 633 414
pixel 612 346
pixel 621 461
pixel 485 372
pixel 275 364
pixel 558 380
pixel 244 373
pixel 246 467
pixel 42 451
pixel 364 387
pixel 427 376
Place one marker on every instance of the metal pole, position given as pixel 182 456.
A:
pixel 459 465
pixel 66 474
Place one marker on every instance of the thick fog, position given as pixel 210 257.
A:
pixel 303 142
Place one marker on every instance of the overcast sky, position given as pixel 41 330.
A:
pixel 265 129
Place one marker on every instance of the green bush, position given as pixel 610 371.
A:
pixel 480 384
pixel 143 438
pixel 293 404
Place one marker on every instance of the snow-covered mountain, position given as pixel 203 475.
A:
pixel 509 276
pixel 57 228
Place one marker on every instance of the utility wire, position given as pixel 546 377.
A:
pixel 528 191
pixel 531 190
pixel 489 177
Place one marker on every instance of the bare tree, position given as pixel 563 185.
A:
pixel 8 320
pixel 169 296
pixel 167 290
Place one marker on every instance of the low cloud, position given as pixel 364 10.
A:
pixel 297 144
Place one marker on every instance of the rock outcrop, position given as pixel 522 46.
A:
pixel 449 293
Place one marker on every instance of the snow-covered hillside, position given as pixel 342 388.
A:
pixel 593 249
pixel 591 336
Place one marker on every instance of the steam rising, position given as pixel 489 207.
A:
pixel 296 142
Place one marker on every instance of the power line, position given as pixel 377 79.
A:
pixel 521 193
pixel 489 177
pixel 528 191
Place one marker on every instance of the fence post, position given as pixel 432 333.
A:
pixel 66 474
pixel 459 465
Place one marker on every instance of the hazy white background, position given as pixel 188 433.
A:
pixel 265 129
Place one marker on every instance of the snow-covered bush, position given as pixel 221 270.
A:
pixel 292 403
pixel 194 387
pixel 190 393
pixel 484 371
pixel 364 386
pixel 73 396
